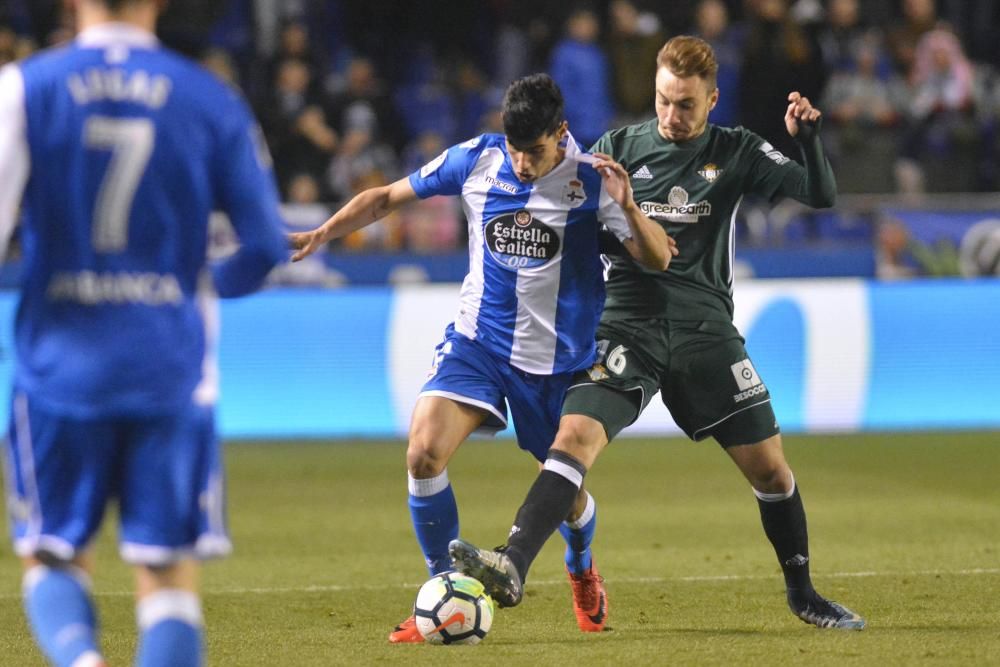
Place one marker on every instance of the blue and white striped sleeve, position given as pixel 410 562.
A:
pixel 610 214
pixel 15 158
pixel 446 174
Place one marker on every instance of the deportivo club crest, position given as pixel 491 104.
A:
pixel 710 172
pixel 572 194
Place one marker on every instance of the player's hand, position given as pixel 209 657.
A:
pixel 615 178
pixel 304 243
pixel 672 247
pixel 801 115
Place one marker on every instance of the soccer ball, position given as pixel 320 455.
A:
pixel 452 608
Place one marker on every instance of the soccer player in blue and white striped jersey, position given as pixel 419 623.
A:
pixel 116 151
pixel 529 306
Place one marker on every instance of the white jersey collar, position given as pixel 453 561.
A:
pixel 116 34
pixel 572 149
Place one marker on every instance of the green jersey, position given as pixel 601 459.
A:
pixel 693 189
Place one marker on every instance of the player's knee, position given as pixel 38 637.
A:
pixel 581 438
pixel 423 460
pixel 180 575
pixel 775 478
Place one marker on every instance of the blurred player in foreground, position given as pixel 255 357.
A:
pixel 120 149
pixel 673 332
pixel 528 308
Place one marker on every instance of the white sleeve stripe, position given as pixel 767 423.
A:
pixel 15 159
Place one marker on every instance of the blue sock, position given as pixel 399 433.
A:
pixel 435 519
pixel 170 630
pixel 578 536
pixel 61 613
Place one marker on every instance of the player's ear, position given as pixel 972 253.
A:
pixel 713 99
pixel 562 130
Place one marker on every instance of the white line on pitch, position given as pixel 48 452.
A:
pixel 336 588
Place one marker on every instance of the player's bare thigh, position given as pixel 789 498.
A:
pixel 437 428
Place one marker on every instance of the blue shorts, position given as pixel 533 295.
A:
pixel 165 471
pixel 466 372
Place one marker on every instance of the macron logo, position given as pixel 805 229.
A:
pixel 644 173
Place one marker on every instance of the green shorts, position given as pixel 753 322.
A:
pixel 700 368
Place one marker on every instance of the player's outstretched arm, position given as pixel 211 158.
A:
pixel 650 245
pixel 362 210
pixel 818 186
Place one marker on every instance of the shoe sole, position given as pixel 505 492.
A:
pixel 465 558
pixel 857 623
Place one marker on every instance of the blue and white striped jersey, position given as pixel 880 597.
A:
pixel 535 289
pixel 118 150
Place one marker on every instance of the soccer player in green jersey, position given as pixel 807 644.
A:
pixel 673 332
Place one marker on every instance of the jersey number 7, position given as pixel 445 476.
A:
pixel 130 141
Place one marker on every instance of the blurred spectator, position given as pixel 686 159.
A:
pixel 778 58
pixel 711 21
pixel 431 225
pixel 294 90
pixel 513 53
pixel 942 76
pixel 634 41
pixel 361 102
pixel 294 42
pixel 581 69
pixel 524 37
pixel 308 148
pixel 863 108
pixel 358 156
pixel 305 191
pixel 423 149
pixel 919 16
pixel 840 36
pixel 269 16
pixel 8 45
pixel 492 121
pixel 893 259
pixel 943 129
pixel 473 99
pixel 220 63
pixel 424 101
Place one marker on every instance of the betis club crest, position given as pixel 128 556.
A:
pixel 710 172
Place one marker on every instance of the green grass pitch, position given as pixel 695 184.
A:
pixel 905 529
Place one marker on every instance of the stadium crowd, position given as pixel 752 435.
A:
pixel 355 94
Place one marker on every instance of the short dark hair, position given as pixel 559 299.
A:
pixel 532 108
